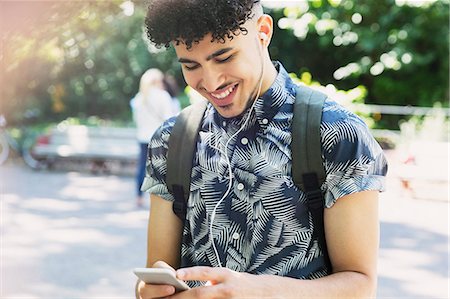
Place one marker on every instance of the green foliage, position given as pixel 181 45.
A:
pixel 84 60
pixel 77 59
pixel 399 53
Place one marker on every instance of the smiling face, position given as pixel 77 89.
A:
pixel 228 74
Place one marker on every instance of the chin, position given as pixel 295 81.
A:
pixel 229 111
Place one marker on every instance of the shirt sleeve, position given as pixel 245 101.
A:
pixel 353 159
pixel 156 165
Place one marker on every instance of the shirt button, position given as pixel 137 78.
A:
pixel 224 123
pixel 236 236
pixel 240 186
pixel 265 121
pixel 244 141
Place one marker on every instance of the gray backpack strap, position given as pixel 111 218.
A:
pixel 307 166
pixel 182 145
pixel 306 144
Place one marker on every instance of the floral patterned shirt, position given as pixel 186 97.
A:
pixel 263 225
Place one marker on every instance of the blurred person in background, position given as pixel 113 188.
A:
pixel 171 85
pixel 151 106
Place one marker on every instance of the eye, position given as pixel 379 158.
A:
pixel 190 68
pixel 225 59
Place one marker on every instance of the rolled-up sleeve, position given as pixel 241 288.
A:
pixel 156 165
pixel 353 160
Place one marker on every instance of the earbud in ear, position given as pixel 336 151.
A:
pixel 263 36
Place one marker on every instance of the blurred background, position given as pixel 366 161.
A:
pixel 70 227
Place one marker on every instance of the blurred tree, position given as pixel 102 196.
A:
pixel 397 49
pixel 84 58
pixel 76 59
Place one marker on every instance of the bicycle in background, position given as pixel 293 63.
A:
pixel 21 145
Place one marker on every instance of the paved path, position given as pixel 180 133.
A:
pixel 69 235
pixel 74 235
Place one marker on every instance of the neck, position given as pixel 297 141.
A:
pixel 270 74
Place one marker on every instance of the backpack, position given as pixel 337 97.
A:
pixel 307 167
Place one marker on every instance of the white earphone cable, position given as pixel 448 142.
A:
pixel 230 173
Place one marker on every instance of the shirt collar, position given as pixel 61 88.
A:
pixel 279 93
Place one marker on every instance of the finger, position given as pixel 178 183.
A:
pixel 209 292
pixel 203 273
pixel 155 291
pixel 161 264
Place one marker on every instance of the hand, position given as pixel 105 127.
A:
pixel 223 283
pixel 148 291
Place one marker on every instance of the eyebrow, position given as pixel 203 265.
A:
pixel 209 57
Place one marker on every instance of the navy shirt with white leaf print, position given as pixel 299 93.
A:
pixel 263 226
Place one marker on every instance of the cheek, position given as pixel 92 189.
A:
pixel 190 78
pixel 249 67
pixel 249 72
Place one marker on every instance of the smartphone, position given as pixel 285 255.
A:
pixel 160 276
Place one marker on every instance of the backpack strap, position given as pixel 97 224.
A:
pixel 306 144
pixel 307 166
pixel 182 145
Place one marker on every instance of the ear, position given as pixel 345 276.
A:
pixel 265 29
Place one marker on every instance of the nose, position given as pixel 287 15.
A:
pixel 212 79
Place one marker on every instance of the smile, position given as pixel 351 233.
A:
pixel 223 94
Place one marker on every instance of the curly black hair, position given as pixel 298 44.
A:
pixel 188 21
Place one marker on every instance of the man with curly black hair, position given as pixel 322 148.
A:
pixel 247 231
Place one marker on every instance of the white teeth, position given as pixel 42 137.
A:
pixel 224 93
